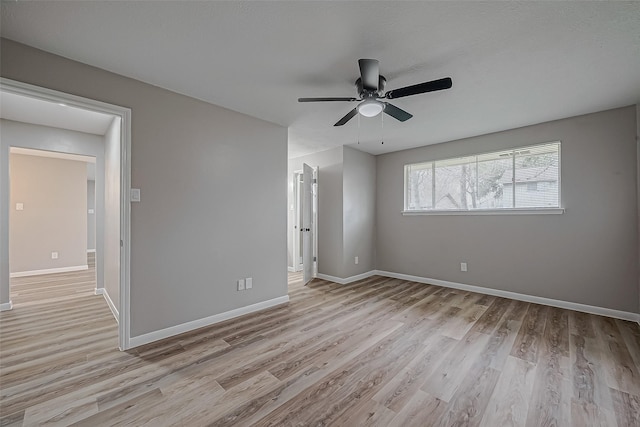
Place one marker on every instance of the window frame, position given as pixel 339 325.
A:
pixel 486 211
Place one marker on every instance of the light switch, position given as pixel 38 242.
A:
pixel 248 282
pixel 90 211
pixel 135 194
pixel 19 206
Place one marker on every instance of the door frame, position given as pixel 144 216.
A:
pixel 314 218
pixel 297 259
pixel 50 95
pixel 297 263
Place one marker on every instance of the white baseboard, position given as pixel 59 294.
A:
pixel 291 269
pixel 107 298
pixel 6 306
pixel 49 271
pixel 347 280
pixel 91 251
pixel 207 321
pixel 601 311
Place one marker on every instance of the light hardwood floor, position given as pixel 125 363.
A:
pixel 380 351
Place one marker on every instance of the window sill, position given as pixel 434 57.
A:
pixel 512 211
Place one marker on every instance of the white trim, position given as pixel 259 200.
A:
pixel 6 306
pixel 38 92
pixel 347 280
pixel 291 269
pixel 601 311
pixel 124 322
pixel 107 298
pixel 314 210
pixel 49 271
pixel 506 211
pixel 296 222
pixel 91 251
pixel 207 321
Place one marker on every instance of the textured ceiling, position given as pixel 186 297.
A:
pixel 512 63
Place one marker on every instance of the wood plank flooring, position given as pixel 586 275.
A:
pixel 378 352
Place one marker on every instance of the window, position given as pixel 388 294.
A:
pixel 522 178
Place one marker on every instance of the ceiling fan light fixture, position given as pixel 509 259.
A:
pixel 370 108
pixel 371 85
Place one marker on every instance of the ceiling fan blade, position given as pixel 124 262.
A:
pixel 370 73
pixel 396 113
pixel 350 115
pixel 431 86
pixel 326 99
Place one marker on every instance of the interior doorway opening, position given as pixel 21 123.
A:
pixel 48 109
pixel 305 227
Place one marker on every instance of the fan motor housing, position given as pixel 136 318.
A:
pixel 382 82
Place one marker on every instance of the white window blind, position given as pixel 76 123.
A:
pixel 521 178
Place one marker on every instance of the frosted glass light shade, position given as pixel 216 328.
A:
pixel 370 108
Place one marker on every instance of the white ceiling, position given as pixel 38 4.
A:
pixel 22 108
pixel 512 63
pixel 52 154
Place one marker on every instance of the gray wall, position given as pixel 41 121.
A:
pixel 588 255
pixel 54 216
pixel 359 200
pixel 346 210
pixel 112 212
pixel 329 165
pixel 207 176
pixel 23 135
pixel 91 217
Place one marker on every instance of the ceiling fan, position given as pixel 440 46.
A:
pixel 370 86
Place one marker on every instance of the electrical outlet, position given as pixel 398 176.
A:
pixel 54 255
pixel 356 260
pixel 19 206
pixel 463 266
pixel 241 285
pixel 248 282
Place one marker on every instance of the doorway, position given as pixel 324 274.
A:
pixel 119 170
pixel 305 227
pixel 50 208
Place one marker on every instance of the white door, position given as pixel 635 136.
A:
pixel 307 227
pixel 297 235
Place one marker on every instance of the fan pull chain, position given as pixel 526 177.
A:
pixel 382 127
pixel 358 129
